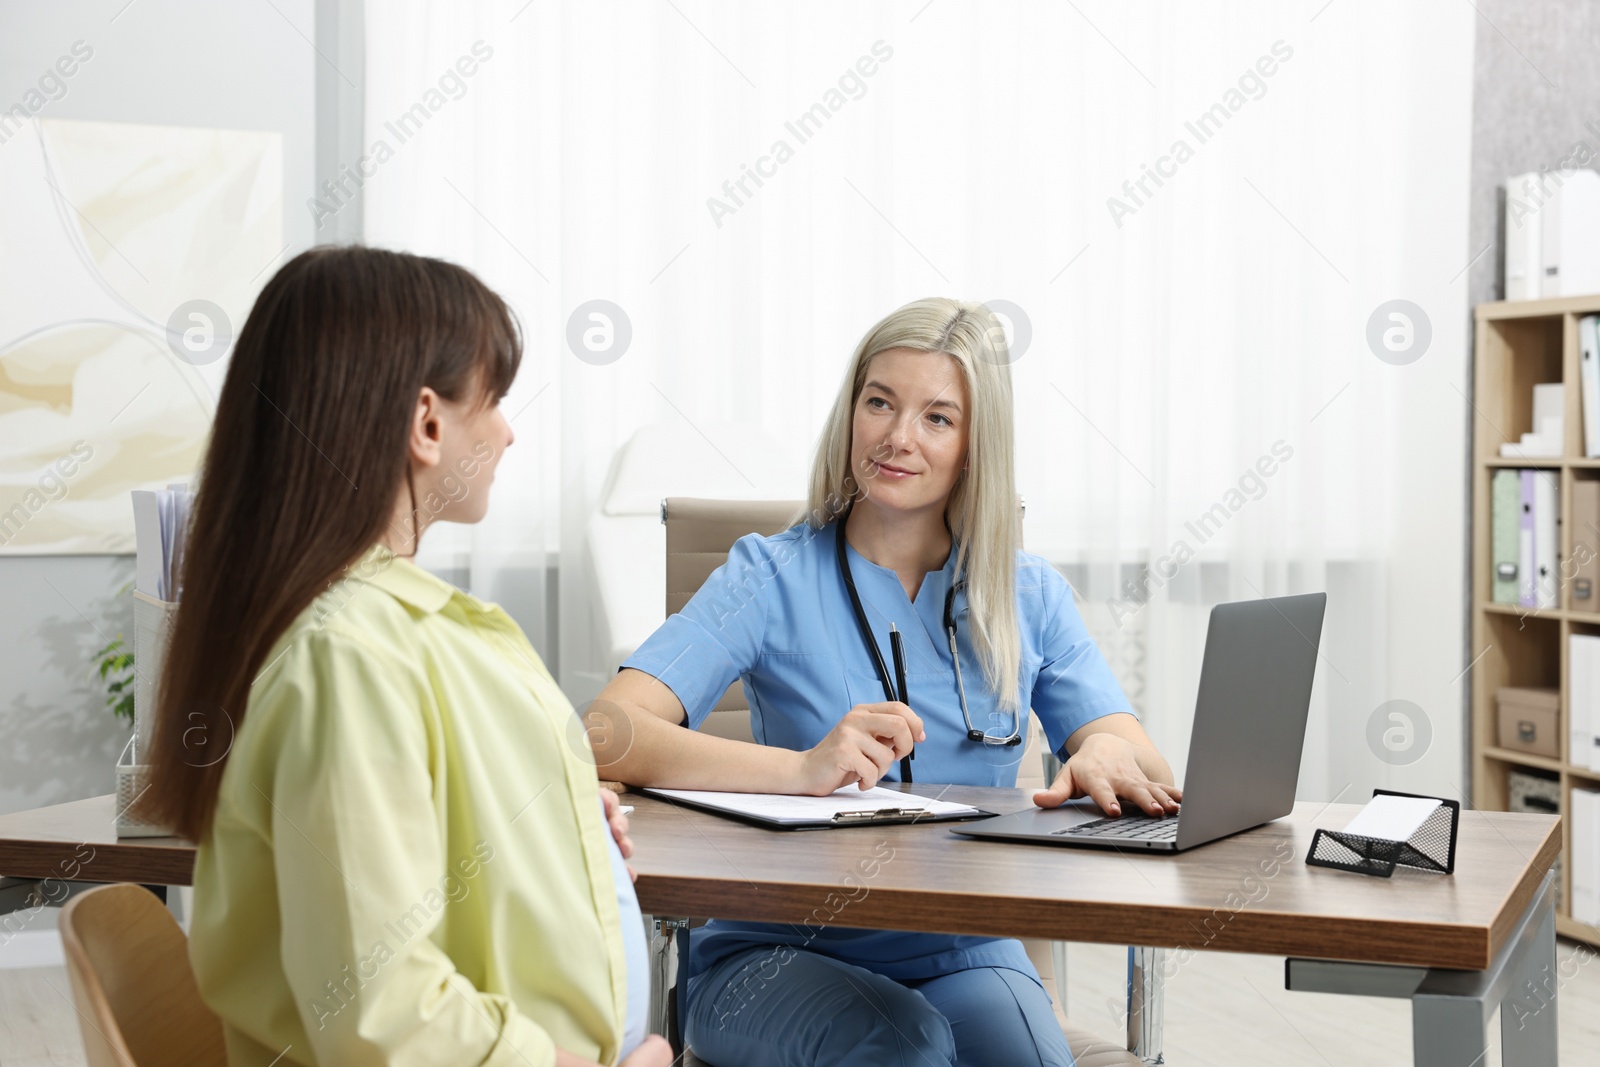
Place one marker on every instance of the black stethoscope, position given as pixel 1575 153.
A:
pixel 973 733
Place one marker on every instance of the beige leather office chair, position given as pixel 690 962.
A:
pixel 138 1004
pixel 699 535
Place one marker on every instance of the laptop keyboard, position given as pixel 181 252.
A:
pixel 1126 828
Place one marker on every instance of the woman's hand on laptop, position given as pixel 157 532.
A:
pixel 1113 761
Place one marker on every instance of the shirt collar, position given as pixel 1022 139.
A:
pixel 948 568
pixel 934 583
pixel 402 579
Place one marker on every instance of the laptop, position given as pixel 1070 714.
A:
pixel 1244 754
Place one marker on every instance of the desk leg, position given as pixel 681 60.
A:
pixel 663 970
pixel 1528 1009
pixel 16 894
pixel 1146 993
pixel 1450 1010
pixel 1448 1032
pixel 1058 965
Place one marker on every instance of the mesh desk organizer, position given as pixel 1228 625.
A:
pixel 152 622
pixel 1407 831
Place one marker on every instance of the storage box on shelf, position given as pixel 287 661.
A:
pixel 1520 344
pixel 1527 721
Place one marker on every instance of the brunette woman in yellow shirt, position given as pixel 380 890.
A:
pixel 402 855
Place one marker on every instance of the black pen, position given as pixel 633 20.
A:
pixel 898 648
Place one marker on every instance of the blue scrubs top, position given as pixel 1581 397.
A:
pixel 777 616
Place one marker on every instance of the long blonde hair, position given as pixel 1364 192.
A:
pixel 982 509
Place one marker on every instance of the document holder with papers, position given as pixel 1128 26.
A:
pixel 1394 829
pixel 844 807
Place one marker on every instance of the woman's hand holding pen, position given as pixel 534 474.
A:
pixel 860 749
pixel 1107 767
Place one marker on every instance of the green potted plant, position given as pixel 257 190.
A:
pixel 114 666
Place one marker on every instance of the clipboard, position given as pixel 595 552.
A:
pixel 844 807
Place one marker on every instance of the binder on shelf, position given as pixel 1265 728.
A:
pixel 1393 830
pixel 1582 594
pixel 1589 381
pixel 1590 755
pixel 1569 218
pixel 1583 676
pixel 1546 538
pixel 1580 698
pixel 1525 572
pixel 1506 517
pixel 1586 856
pixel 1524 262
pixel 1549 220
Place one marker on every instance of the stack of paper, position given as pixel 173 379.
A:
pixel 1548 420
pixel 160 525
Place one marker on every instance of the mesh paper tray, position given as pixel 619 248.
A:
pixel 1431 848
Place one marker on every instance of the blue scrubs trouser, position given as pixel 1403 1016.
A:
pixel 783 1007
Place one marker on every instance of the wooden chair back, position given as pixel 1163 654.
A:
pixel 138 1004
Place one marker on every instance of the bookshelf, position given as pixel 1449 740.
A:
pixel 1518 344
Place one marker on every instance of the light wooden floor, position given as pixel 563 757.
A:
pixel 38 1025
pixel 1227 1010
pixel 1222 1010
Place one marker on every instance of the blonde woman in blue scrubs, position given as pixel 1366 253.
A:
pixel 913 502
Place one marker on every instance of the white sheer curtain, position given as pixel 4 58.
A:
pixel 1214 319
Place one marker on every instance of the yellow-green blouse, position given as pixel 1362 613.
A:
pixel 409 864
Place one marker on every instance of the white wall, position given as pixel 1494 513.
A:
pixel 1227 312
pixel 177 62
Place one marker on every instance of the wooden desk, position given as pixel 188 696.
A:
pixel 78 842
pixel 1457 946
pixel 700 865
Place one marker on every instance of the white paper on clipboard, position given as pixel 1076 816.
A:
pixel 793 810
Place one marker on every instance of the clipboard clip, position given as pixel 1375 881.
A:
pixel 876 815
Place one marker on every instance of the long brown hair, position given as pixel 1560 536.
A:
pixel 308 452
